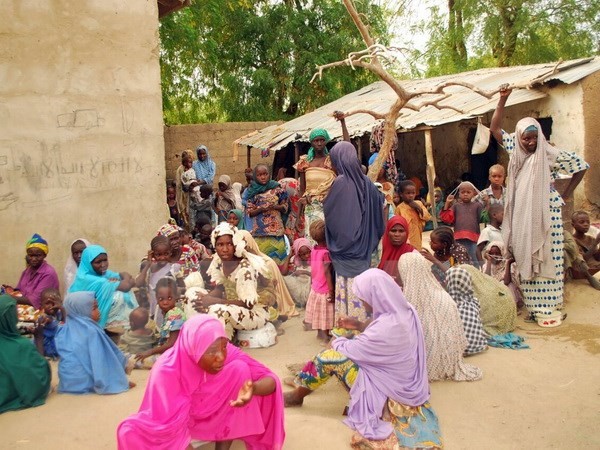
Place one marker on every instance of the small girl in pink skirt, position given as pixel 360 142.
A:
pixel 320 303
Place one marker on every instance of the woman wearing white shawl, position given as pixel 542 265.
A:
pixel 532 226
pixel 445 340
pixel 235 301
pixel 76 249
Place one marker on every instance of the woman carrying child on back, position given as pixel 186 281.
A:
pixel 413 211
pixel 320 303
pixel 173 318
pixel 89 359
pixel 465 216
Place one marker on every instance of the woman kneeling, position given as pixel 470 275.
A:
pixel 383 367
pixel 205 388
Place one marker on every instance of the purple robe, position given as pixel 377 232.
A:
pixel 390 354
pixel 33 282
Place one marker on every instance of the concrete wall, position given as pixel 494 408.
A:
pixel 81 134
pixel 591 145
pixel 218 138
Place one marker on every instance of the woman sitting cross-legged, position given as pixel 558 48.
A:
pixel 384 368
pixel 235 301
pixel 205 388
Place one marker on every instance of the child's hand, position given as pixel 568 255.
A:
pixel 142 356
pixel 449 199
pixel 245 394
pixel 428 256
pixel 150 256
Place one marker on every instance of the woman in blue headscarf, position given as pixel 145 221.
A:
pixel 89 360
pixel 316 176
pixel 204 167
pixel 354 225
pixel 112 289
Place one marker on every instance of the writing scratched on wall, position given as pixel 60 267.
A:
pixel 50 175
pixel 93 167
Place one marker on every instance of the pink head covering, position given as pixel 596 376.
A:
pixel 184 402
pixel 390 354
pixel 297 245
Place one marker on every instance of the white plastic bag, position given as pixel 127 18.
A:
pixel 482 139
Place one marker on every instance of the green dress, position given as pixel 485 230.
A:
pixel 24 373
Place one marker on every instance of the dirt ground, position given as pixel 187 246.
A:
pixel 544 397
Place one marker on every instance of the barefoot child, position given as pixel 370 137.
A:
pixel 171 321
pixel 139 338
pixel 465 216
pixel 53 315
pixel 413 211
pixel 89 359
pixel 320 303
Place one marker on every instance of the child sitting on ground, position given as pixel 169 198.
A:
pixel 320 304
pixel 588 244
pixel 138 339
pixel 491 232
pixel 465 216
pixel 413 211
pixel 52 314
pixel 89 360
pixel 501 267
pixel 170 322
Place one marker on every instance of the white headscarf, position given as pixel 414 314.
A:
pixel 527 217
pixel 237 192
pixel 226 229
pixel 71 266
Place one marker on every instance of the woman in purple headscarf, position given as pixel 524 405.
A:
pixel 384 368
pixel 354 225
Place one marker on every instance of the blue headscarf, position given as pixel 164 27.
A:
pixel 353 214
pixel 88 280
pixel 205 170
pixel 89 359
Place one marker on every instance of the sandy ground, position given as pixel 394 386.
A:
pixel 544 397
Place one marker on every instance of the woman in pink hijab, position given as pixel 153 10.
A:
pixel 206 389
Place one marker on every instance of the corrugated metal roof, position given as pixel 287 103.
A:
pixel 379 97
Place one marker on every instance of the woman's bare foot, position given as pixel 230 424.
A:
pixel 132 385
pixel 294 367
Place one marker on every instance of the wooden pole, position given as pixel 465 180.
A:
pixel 296 156
pixel 430 170
pixel 360 149
pixel 249 156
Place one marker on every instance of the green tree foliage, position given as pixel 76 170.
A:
pixel 510 32
pixel 243 60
